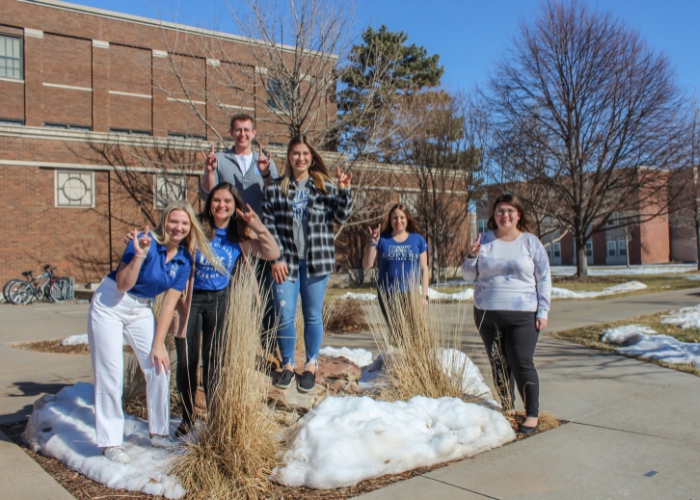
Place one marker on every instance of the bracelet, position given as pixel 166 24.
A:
pixel 373 244
pixel 266 176
pixel 140 257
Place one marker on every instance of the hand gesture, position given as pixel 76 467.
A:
pixel 374 233
pixel 343 179
pixel 475 246
pixel 263 162
pixel 160 358
pixel 251 219
pixel 141 243
pixel 209 159
pixel 279 272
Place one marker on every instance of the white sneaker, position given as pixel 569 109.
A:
pixel 116 454
pixel 162 441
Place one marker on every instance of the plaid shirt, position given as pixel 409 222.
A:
pixel 324 210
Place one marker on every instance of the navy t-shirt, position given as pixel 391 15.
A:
pixel 398 262
pixel 156 276
pixel 206 276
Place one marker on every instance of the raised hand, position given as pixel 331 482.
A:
pixel 374 233
pixel 475 246
pixel 263 162
pixel 141 243
pixel 251 219
pixel 210 159
pixel 343 178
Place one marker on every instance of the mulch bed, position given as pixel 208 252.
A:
pixel 53 345
pixel 83 488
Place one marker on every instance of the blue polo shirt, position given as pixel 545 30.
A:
pixel 398 262
pixel 156 276
pixel 206 276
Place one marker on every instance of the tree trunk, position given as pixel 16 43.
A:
pixel 581 259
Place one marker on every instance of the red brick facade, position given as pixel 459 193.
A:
pixel 89 78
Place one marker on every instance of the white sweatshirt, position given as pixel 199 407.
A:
pixel 510 275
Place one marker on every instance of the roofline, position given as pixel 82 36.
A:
pixel 155 23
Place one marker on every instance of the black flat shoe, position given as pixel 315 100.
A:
pixel 524 429
pixel 285 379
pixel 307 382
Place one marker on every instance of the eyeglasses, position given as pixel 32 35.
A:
pixel 504 211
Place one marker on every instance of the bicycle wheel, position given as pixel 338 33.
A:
pixel 21 293
pixel 6 288
pixel 59 291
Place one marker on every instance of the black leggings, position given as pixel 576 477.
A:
pixel 510 338
pixel 207 315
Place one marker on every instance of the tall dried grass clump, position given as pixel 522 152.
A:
pixel 413 344
pixel 236 451
pixel 344 315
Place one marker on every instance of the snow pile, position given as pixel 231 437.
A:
pixel 624 270
pixel 63 427
pixel 645 343
pixel 630 286
pixel 466 294
pixel 688 317
pixel 346 440
pixel 81 339
pixel 360 357
pixel 455 362
pixel 358 296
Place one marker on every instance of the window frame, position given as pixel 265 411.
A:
pixel 62 177
pixel 612 245
pixel 622 248
pixel 20 59
pixel 556 250
pixel 161 181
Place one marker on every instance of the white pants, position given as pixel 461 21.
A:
pixel 115 316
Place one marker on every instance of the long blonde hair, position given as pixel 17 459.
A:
pixel 195 240
pixel 318 171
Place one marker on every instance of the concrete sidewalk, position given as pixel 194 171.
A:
pixel 631 432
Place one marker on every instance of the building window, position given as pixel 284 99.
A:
pixel 589 249
pixel 556 250
pixel 612 249
pixel 482 225
pixel 75 189
pixel 11 60
pixel 622 248
pixel 9 121
pixel 186 137
pixel 128 131
pixel 278 98
pixel 168 188
pixel 614 220
pixel 68 126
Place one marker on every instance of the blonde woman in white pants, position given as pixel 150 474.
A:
pixel 121 309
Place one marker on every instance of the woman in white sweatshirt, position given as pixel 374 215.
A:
pixel 511 302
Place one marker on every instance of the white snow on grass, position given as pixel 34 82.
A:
pixel 360 357
pixel 630 286
pixel 466 294
pixel 81 339
pixel 688 317
pixel 63 427
pixel 341 442
pixel 346 440
pixel 358 296
pixel 643 342
pixel 624 270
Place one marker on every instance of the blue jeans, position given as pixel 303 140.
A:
pixel 312 290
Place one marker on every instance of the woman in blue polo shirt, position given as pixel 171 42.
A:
pixel 121 309
pixel 232 231
pixel 403 258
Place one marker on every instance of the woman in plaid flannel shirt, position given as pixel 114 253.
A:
pixel 300 209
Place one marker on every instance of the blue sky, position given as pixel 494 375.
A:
pixel 469 35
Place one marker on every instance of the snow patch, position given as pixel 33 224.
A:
pixel 346 440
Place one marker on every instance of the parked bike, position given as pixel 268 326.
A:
pixel 46 286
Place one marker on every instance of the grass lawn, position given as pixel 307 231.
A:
pixel 589 336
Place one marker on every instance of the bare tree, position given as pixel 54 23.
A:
pixel 444 156
pixel 583 108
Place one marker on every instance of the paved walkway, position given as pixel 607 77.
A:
pixel 632 430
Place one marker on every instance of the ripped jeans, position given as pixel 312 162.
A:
pixel 312 291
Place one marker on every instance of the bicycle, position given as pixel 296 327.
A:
pixel 45 286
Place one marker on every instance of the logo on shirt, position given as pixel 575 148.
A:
pixel 301 204
pixel 173 270
pixel 399 252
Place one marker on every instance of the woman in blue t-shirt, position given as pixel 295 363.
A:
pixel 403 258
pixel 121 309
pixel 233 231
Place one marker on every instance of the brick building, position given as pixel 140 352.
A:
pixel 102 117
